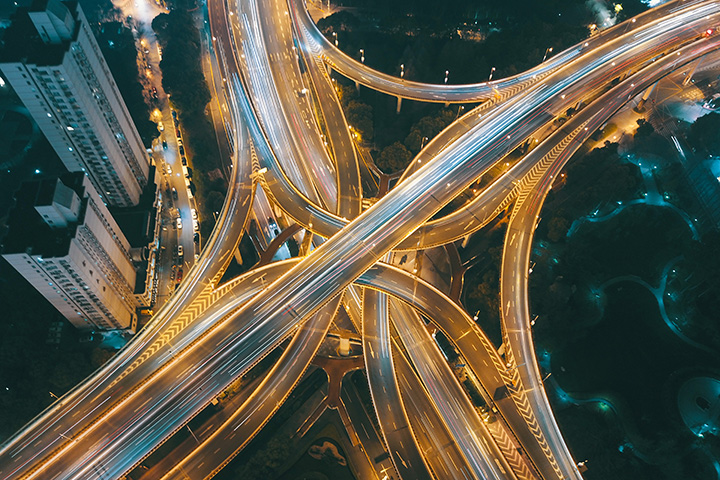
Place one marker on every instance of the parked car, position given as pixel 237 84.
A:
pixel 180 251
pixel 179 222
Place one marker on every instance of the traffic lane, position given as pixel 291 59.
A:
pixel 440 451
pixel 360 73
pixel 449 399
pixel 561 84
pixel 518 241
pixel 92 396
pixel 238 430
pixel 391 414
pixel 477 351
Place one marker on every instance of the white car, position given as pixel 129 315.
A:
pixel 179 222
pixel 180 251
pixel 193 212
pixel 168 169
pixel 196 227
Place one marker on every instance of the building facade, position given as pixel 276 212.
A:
pixel 51 59
pixel 64 241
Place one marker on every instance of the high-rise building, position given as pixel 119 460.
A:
pixel 63 240
pixel 51 59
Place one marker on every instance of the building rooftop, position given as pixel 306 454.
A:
pixel 27 232
pixel 21 41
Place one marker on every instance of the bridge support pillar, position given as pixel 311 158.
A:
pixel 689 76
pixel 641 104
pixel 399 104
pixel 307 241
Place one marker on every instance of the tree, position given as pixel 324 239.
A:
pixel 394 158
pixel 360 117
pixel 214 201
pixel 703 133
pixel 557 229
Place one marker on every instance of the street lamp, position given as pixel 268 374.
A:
pixel 335 36
pixel 402 70
pixel 547 50
pixel 460 108
pixel 492 70
pixel 447 72
pixel 362 55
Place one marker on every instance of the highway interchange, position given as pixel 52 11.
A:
pixel 208 334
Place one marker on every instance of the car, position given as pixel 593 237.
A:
pixel 182 150
pixel 161 127
pixel 168 169
pixel 193 212
pixel 164 144
pixel 196 237
pixel 180 251
pixel 184 160
pixel 174 193
pixel 177 133
pixel 189 172
pixel 179 222
pixel 179 275
pixel 196 227
pixel 180 144
pixel 174 113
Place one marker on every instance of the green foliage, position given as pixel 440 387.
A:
pixel 593 179
pixel 118 48
pixel 183 77
pixel 703 134
pixel 466 37
pixel 184 81
pixel 30 368
pixel 427 127
pixel 394 158
pixel 647 141
pixel 266 462
pixel 360 117
pixel 704 261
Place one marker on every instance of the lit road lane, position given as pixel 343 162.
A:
pixel 278 186
pixel 273 102
pixel 392 85
pixel 477 351
pixel 438 448
pixel 73 411
pixel 230 438
pixel 518 244
pixel 380 209
pixel 449 399
pixel 322 225
pixel 278 35
pixel 394 424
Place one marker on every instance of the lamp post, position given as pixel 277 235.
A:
pixel 335 36
pixel 492 70
pixel 362 55
pixel 447 72
pixel 402 70
pixel 547 50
